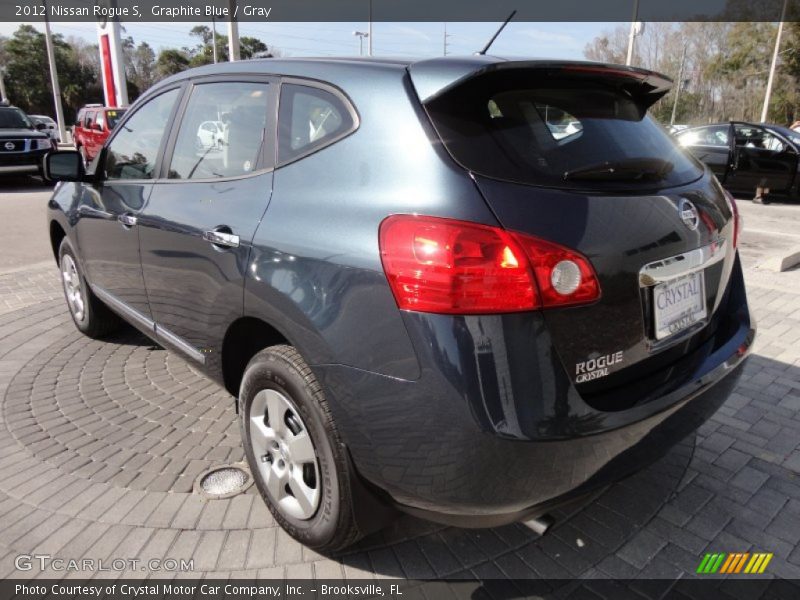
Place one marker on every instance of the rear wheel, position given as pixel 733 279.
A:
pixel 294 452
pixel 90 315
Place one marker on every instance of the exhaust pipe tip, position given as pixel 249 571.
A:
pixel 540 525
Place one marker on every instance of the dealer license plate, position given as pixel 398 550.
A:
pixel 679 303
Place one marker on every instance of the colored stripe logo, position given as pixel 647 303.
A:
pixel 734 563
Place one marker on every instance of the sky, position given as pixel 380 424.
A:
pixel 546 40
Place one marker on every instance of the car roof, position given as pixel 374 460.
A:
pixel 430 75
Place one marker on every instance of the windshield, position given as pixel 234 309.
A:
pixel 113 116
pixel 14 118
pixel 557 131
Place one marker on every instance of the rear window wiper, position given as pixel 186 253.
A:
pixel 632 169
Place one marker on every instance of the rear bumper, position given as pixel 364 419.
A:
pixel 495 431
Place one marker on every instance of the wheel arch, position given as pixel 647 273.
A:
pixel 243 339
pixel 57 235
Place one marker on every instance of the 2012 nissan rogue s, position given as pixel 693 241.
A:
pixel 473 289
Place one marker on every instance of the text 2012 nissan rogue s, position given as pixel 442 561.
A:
pixel 469 288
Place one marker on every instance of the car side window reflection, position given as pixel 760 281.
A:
pixel 133 151
pixel 309 119
pixel 704 136
pixel 223 131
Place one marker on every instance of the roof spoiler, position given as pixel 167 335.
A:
pixel 432 78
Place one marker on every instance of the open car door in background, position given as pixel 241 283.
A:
pixel 710 145
pixel 760 159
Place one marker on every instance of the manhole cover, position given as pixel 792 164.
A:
pixel 224 481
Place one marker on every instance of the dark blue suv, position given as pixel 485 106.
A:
pixel 471 289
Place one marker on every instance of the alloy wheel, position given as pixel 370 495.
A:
pixel 285 455
pixel 72 288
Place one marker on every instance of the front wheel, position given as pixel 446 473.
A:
pixel 90 315
pixel 299 464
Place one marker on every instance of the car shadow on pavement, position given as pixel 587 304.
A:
pixel 21 183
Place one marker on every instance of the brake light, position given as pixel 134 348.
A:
pixel 457 267
pixel 737 219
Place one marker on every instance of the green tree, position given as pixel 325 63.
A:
pixel 250 46
pixel 140 65
pixel 203 53
pixel 27 77
pixel 171 61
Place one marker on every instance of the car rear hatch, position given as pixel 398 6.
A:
pixel 565 152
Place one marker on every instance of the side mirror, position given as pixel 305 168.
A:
pixel 40 126
pixel 65 165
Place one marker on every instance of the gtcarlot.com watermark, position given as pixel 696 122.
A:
pixel 45 562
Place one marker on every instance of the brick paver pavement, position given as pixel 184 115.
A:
pixel 100 443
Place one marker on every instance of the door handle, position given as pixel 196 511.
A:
pixel 127 220
pixel 222 237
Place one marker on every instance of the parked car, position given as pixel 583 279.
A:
pixel 50 126
pixel 23 144
pixel 211 134
pixel 676 128
pixel 93 125
pixel 423 297
pixel 749 159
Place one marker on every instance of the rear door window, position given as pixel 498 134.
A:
pixel 557 131
pixel 87 123
pixel 242 110
pixel 310 118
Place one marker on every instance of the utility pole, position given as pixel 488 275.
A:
pixel 3 95
pixel 773 65
pixel 369 37
pixel 632 34
pixel 678 89
pixel 444 39
pixel 233 33
pixel 51 58
pixel 214 36
pixel 361 35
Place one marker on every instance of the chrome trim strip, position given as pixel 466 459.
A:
pixel 676 266
pixel 159 332
pixel 124 309
pixel 180 344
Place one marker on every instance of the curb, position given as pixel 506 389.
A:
pixel 784 262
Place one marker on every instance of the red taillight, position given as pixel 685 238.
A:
pixel 737 219
pixel 545 258
pixel 457 267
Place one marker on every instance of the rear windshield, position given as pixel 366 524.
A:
pixel 113 116
pixel 557 131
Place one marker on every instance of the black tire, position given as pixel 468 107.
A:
pixel 333 525
pixel 82 152
pixel 96 320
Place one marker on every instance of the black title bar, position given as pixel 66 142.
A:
pixel 396 10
